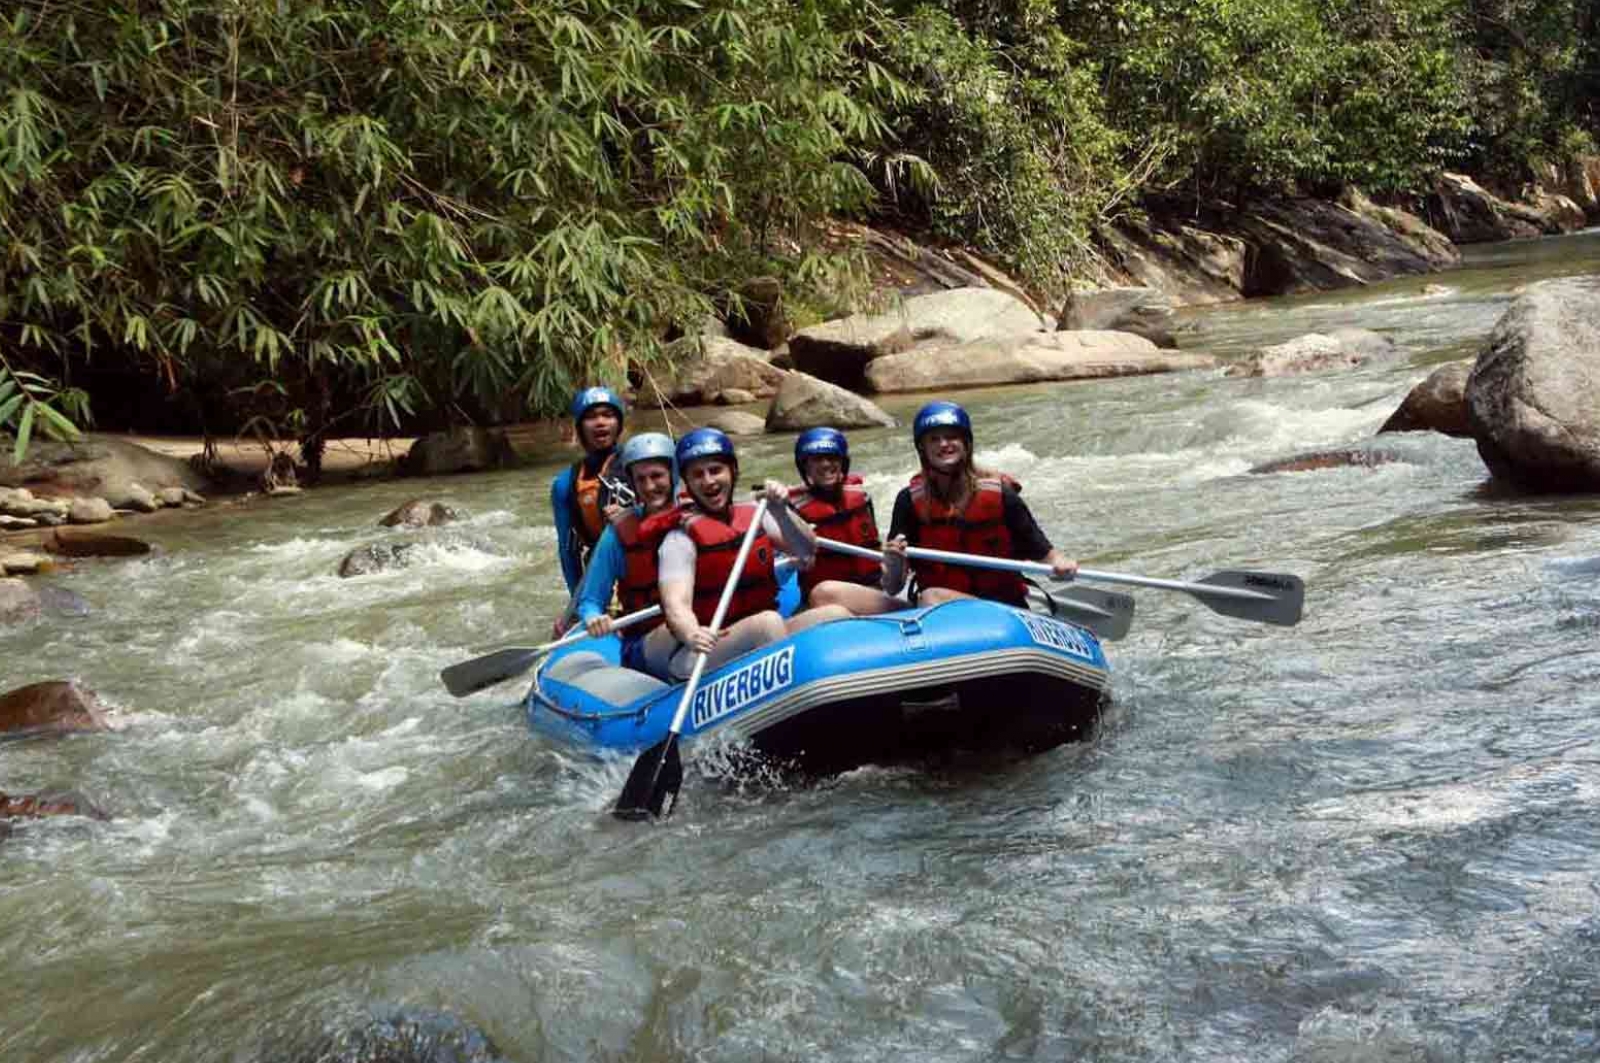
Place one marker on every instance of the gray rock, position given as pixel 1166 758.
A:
pixel 100 466
pixel 1043 356
pixel 171 496
pixel 378 557
pixel 737 423
pixel 840 351
pixel 735 397
pixel 1144 312
pixel 420 514
pixel 1533 397
pixel 10 523
pixel 707 366
pixel 1438 404
pixel 89 511
pixel 1468 213
pixel 1316 351
pixel 21 563
pixel 806 402
pixel 141 500
pixel 96 544
pixel 458 450
pixel 19 602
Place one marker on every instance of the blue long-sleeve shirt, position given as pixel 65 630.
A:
pixel 567 546
pixel 607 564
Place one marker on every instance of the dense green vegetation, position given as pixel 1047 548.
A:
pixel 313 216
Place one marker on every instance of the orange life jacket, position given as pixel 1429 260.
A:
pixel 850 520
pixel 716 543
pixel 979 528
pixel 589 497
pixel 636 589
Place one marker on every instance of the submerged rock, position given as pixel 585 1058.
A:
pixel 19 602
pixel 96 544
pixel 57 706
pixel 49 803
pixel 1329 459
pixel 378 557
pixel 419 514
pixel 416 1037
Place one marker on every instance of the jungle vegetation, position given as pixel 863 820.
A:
pixel 318 216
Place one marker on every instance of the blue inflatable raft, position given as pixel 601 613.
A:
pixel 967 675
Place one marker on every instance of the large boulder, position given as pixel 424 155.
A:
pixel 1316 351
pixel 53 707
pixel 806 402
pixel 19 602
pixel 1204 254
pixel 839 351
pixel 1468 213
pixel 1438 404
pixel 1043 356
pixel 98 466
pixel 737 423
pixel 1144 312
pixel 1533 398
pixel 468 449
pixel 707 366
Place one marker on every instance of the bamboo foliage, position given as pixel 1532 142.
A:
pixel 432 201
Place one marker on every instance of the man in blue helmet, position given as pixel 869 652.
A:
pixel 835 505
pixel 625 559
pixel 579 495
pixel 951 505
pixel 699 543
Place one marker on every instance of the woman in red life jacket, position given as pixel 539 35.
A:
pixel 950 505
pixel 699 544
pixel 834 504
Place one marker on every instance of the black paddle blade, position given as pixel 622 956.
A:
pixel 1279 597
pixel 653 784
pixel 481 673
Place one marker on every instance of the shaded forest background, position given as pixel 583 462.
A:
pixel 312 218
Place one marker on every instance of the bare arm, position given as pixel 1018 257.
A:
pixel 675 561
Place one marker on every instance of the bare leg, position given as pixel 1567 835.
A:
pixel 817 614
pixel 859 599
pixel 743 636
pixel 936 595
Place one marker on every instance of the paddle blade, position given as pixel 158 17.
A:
pixel 1109 614
pixel 1282 596
pixel 653 784
pixel 480 673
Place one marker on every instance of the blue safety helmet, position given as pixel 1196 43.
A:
pixel 649 446
pixel 940 414
pixel 821 443
pixel 589 398
pixel 705 443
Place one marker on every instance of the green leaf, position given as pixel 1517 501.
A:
pixel 24 431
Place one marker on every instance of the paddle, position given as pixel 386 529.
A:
pixel 1265 597
pixel 1106 613
pixel 652 786
pixel 480 673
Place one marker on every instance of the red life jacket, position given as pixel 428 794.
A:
pixel 636 589
pixel 849 521
pixel 980 528
pixel 716 543
pixel 589 497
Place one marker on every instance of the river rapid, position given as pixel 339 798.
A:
pixel 1374 836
